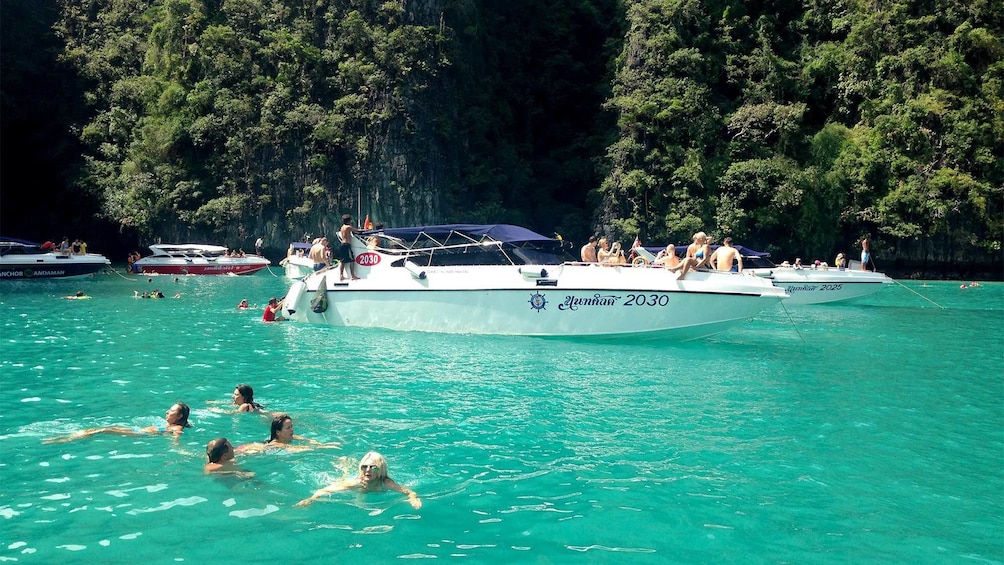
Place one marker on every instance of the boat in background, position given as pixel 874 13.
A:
pixel 817 284
pixel 298 263
pixel 809 284
pixel 21 260
pixel 196 259
pixel 507 280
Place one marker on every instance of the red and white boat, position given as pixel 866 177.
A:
pixel 195 259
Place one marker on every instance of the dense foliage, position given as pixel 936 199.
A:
pixel 807 125
pixel 794 126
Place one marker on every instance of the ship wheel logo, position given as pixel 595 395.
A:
pixel 537 301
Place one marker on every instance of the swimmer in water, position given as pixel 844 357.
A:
pixel 175 422
pixel 372 477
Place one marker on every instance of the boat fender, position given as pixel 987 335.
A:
pixel 533 272
pixel 414 269
pixel 319 303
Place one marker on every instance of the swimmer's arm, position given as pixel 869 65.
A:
pixel 318 444
pixel 332 488
pixel 413 498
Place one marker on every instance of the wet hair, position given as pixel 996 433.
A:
pixel 346 218
pixel 248 393
pixel 277 423
pixel 727 241
pixel 592 239
pixel 374 458
pixel 216 448
pixel 185 411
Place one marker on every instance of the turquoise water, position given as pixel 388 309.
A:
pixel 870 432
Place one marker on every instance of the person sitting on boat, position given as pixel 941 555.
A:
pixel 603 253
pixel 727 258
pixel 317 253
pixel 798 263
pixel 700 250
pixel 588 251
pixel 243 398
pixel 840 262
pixel 281 436
pixel 674 264
pixel 344 254
pixel 176 420
pixel 372 477
pixel 616 256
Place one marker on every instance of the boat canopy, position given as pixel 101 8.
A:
pixel 504 233
pixel 471 244
pixel 13 246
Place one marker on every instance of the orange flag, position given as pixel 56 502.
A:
pixel 367 225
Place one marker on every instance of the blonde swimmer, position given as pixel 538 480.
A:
pixel 372 477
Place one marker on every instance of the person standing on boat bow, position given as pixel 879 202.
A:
pixel 344 255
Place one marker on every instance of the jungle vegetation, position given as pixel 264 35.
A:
pixel 793 126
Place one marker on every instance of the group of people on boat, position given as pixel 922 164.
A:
pixel 698 255
pixel 221 454
pixel 324 256
pixel 66 247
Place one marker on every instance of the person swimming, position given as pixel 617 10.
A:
pixel 372 477
pixel 175 422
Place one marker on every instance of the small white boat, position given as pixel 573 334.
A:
pixel 21 260
pixel 298 263
pixel 507 280
pixel 196 259
pixel 815 284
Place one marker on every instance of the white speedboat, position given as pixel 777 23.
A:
pixel 508 280
pixel 298 263
pixel 815 284
pixel 20 260
pixel 195 259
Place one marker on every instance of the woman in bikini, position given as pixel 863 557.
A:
pixel 175 422
pixel 282 437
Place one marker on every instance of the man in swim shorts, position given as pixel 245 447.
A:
pixel 344 253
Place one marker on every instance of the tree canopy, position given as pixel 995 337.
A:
pixel 796 127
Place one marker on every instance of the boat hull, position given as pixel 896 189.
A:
pixel 817 286
pixel 570 300
pixel 51 266
pixel 222 266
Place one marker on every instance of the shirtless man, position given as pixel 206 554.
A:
pixel 588 251
pixel 678 267
pixel 221 459
pixel 727 258
pixel 317 253
pixel 344 253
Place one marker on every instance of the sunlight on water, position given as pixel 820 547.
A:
pixel 870 431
